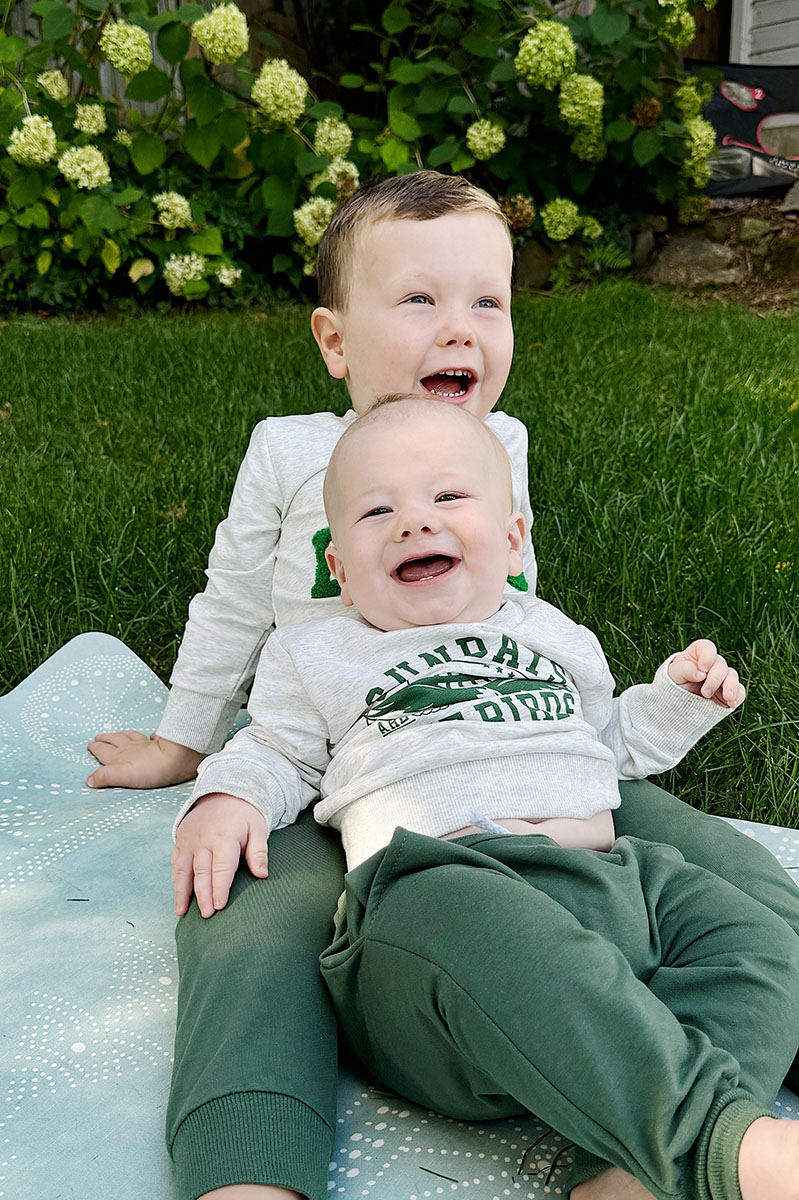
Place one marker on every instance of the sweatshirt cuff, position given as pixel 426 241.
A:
pixel 683 717
pixel 197 720
pixel 252 1137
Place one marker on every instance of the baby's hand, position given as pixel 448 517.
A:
pixel 701 669
pixel 210 840
pixel 133 760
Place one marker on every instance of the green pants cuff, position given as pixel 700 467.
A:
pixel 724 1145
pixel 252 1137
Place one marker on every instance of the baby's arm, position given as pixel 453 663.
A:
pixel 226 629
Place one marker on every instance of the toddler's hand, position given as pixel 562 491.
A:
pixel 133 760
pixel 700 669
pixel 210 840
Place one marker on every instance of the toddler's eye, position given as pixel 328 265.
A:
pixel 419 299
pixel 487 302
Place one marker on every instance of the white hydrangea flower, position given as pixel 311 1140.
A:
pixel 591 228
pixel 581 100
pixel 312 218
pixel 229 276
pixel 485 139
pixel 223 33
pixel 85 166
pixel 127 47
pixel 280 92
pixel 332 137
pixel 547 54
pixel 33 144
pixel 342 173
pixel 701 143
pixel 54 84
pixel 174 210
pixel 560 218
pixel 90 118
pixel 180 269
pixel 122 136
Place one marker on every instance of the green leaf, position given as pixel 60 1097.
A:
pixel 188 13
pixel 460 104
pixel 395 18
pixel 11 48
pixel 111 256
pixel 25 188
pixel 205 99
pixel 351 81
pixel 404 125
pixel 97 6
pixel 620 130
pixel 646 146
pixel 195 289
pixel 629 73
pixel 9 236
pixel 608 24
pixel 152 84
pixel 232 128
pixel 462 161
pixel 503 71
pixel 442 154
pixel 43 262
pixel 36 216
pixel 128 195
pixel 308 163
pixel 394 153
pixel 190 68
pixel 404 71
pixel 325 108
pixel 581 176
pixel 280 263
pixel 99 215
pixel 173 41
pixel 441 67
pixel 479 46
pixel 148 152
pixel 202 142
pixel 59 22
pixel 208 241
pixel 276 193
pixel 281 223
pixel 432 99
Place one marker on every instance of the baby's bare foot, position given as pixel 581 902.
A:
pixel 768 1160
pixel 613 1184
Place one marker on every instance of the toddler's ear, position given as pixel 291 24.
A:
pixel 336 566
pixel 326 329
pixel 516 532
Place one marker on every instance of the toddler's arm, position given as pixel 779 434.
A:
pixel 209 843
pixel 133 760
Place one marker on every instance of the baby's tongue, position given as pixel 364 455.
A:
pixel 424 568
pixel 447 385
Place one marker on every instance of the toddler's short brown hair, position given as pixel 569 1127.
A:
pixel 418 196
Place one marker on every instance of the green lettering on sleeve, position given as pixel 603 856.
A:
pixel 324 584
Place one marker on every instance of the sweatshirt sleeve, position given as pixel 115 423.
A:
pixel 650 727
pixel 277 762
pixel 230 620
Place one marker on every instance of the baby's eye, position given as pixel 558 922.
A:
pixel 449 496
pixel 487 302
pixel 376 512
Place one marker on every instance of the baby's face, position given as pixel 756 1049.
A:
pixel 429 312
pixel 423 532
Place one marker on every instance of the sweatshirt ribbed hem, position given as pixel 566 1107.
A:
pixel 724 1146
pixel 201 722
pixel 252 1137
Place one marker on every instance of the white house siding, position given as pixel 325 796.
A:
pixel 765 33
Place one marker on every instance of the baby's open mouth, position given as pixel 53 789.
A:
pixel 419 570
pixel 448 384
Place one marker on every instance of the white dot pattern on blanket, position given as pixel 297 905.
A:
pixel 101 693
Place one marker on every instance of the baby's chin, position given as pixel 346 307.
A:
pixel 430 616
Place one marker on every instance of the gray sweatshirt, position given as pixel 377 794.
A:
pixel 267 568
pixel 514 715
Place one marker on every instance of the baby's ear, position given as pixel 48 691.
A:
pixel 326 329
pixel 336 566
pixel 516 532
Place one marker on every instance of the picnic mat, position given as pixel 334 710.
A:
pixel 89 980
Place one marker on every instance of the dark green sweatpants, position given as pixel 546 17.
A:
pixel 644 1008
pixel 253 1086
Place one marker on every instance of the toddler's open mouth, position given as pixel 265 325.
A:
pixel 423 569
pixel 449 385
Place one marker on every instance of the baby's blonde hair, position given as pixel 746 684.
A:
pixel 418 196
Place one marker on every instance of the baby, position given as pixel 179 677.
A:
pixel 467 746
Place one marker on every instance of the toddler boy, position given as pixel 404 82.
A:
pixel 415 287
pixel 440 719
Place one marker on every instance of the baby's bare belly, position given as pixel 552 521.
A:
pixel 594 833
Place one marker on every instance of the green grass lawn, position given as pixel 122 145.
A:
pixel 664 441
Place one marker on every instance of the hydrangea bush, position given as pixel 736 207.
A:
pixel 206 172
